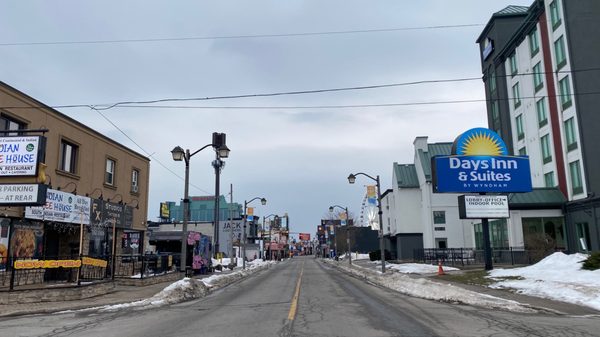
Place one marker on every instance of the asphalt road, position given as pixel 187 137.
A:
pixel 302 297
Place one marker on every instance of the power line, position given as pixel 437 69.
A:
pixel 250 36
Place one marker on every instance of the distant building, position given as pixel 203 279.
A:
pixel 202 208
pixel 541 74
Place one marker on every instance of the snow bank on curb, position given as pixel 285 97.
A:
pixel 557 277
pixel 417 268
pixel 424 288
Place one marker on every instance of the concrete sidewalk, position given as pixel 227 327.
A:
pixel 120 294
pixel 542 304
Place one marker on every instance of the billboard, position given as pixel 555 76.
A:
pixel 483 207
pixel 304 236
pixel 19 155
pixel 479 164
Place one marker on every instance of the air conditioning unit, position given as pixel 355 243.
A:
pixel 134 188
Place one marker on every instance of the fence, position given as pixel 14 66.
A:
pixel 470 256
pixel 30 273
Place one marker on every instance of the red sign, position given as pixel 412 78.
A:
pixel 304 236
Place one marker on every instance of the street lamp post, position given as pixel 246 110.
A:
pixel 262 235
pixel 178 155
pixel 263 201
pixel 351 180
pixel 347 231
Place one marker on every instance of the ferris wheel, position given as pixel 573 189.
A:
pixel 368 215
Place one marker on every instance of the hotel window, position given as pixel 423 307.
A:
pixel 546 155
pixel 492 80
pixel 439 217
pixel 559 51
pixel 109 176
pixel 513 64
pixel 575 171
pixel 534 45
pixel 570 134
pixel 495 112
pixel 68 156
pixel 516 95
pixel 135 177
pixel 520 131
pixel 554 14
pixel 565 93
pixel 523 151
pixel 538 82
pixel 540 107
pixel 549 179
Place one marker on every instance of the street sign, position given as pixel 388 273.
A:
pixel 22 194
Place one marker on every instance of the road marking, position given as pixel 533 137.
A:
pixel 294 305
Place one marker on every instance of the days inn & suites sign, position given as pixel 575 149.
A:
pixel 479 164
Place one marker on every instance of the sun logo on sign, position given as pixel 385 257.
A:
pixel 480 142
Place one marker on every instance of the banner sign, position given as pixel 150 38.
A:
pixel 371 194
pixel 480 164
pixel 22 194
pixel 19 155
pixel 37 264
pixel 304 236
pixel 88 261
pixel 62 207
pixel 483 206
pixel 165 212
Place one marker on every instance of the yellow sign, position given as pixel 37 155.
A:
pixel 88 261
pixel 164 210
pixel 371 192
pixel 36 264
pixel 250 211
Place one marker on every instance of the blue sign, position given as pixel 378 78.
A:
pixel 498 174
pixel 480 164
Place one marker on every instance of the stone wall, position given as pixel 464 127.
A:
pixel 56 294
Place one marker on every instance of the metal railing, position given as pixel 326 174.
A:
pixel 144 266
pixel 471 256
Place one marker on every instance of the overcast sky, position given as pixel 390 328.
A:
pixel 289 151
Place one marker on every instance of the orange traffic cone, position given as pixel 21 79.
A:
pixel 440 269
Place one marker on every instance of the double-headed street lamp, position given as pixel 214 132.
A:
pixel 262 235
pixel 263 201
pixel 178 155
pixel 351 180
pixel 347 231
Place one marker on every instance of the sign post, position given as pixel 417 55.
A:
pixel 480 164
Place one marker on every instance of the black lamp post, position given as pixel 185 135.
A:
pixel 178 155
pixel 263 201
pixel 351 180
pixel 262 235
pixel 347 230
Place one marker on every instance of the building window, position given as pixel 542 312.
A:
pixel 8 123
pixel 439 217
pixel 549 179
pixel 565 93
pixel 575 171
pixel 516 95
pixel 135 176
pixel 538 82
pixel 540 107
pixel 498 234
pixel 554 15
pixel 546 154
pixel 109 176
pixel 583 235
pixel 520 131
pixel 534 45
pixel 513 64
pixel 570 134
pixel 439 229
pixel 495 112
pixel 542 230
pixel 523 151
pixel 559 51
pixel 492 80
pixel 68 156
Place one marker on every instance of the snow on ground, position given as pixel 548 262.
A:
pixel 558 277
pixel 425 288
pixel 417 268
pixel 356 256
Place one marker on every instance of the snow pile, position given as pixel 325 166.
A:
pixel 424 288
pixel 558 277
pixel 417 268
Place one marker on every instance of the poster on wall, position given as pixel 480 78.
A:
pixel 4 228
pixel 27 241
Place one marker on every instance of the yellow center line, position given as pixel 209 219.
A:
pixel 294 305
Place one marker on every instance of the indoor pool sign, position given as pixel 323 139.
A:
pixel 480 163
